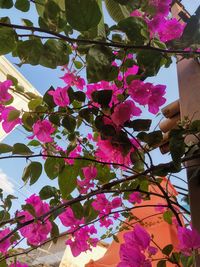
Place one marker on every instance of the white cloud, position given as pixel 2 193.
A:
pixel 5 183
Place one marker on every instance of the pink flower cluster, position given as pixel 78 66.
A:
pixel 43 130
pixel 189 240
pixel 4 95
pixel 160 25
pixel 37 231
pixel 71 79
pixel 104 207
pixel 124 111
pixel 135 197
pixel 69 220
pixel 147 94
pixel 89 173
pixel 82 241
pixel 4 246
pixel 108 152
pixel 60 96
pixel 18 264
pixel 133 253
pixel 7 125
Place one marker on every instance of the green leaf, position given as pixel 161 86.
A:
pixel 136 29
pixel 67 180
pixel 122 2
pixel 108 131
pixel 27 22
pixel 47 192
pixel 89 213
pixel 86 114
pixel 22 5
pixel 34 143
pixel 167 216
pixel 13 115
pixel 83 15
pixel 7 40
pixel 54 232
pixel 177 146
pixel 161 263
pixel 99 64
pixel 102 97
pixel 150 61
pixel 167 249
pixel 34 103
pixel 29 208
pixel 53 166
pixel 78 64
pixel 79 96
pixel 29 51
pixel 48 99
pixel 21 149
pixel 4 264
pixel 4 148
pixel 6 4
pixel 117 11
pixel 32 172
pixel 69 123
pixel 152 139
pixel 139 125
pixel 55 53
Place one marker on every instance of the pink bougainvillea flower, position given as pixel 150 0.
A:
pixel 89 173
pixel 139 236
pixel 8 125
pixel 189 239
pixel 60 96
pixel 156 98
pixel 131 71
pixel 38 231
pixel 82 240
pixel 170 29
pixel 111 153
pixel 43 130
pixel 4 246
pixel 72 80
pixel 135 197
pixel 18 264
pixel 124 111
pixel 74 154
pixel 162 6
pixel 140 91
pixel 4 95
pixel 131 256
pixel 68 219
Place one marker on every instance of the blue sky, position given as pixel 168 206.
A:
pixel 42 78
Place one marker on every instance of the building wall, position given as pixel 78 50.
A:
pixel 19 102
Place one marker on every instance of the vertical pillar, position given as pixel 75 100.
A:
pixel 189 90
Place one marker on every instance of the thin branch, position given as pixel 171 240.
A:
pixel 103 43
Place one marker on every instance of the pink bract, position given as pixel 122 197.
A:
pixel 189 239
pixel 124 111
pixel 7 125
pixel 38 231
pixel 43 130
pixel 135 197
pixel 4 246
pixel 4 95
pixel 69 220
pixel 60 96
pixel 72 80
pixel 18 264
